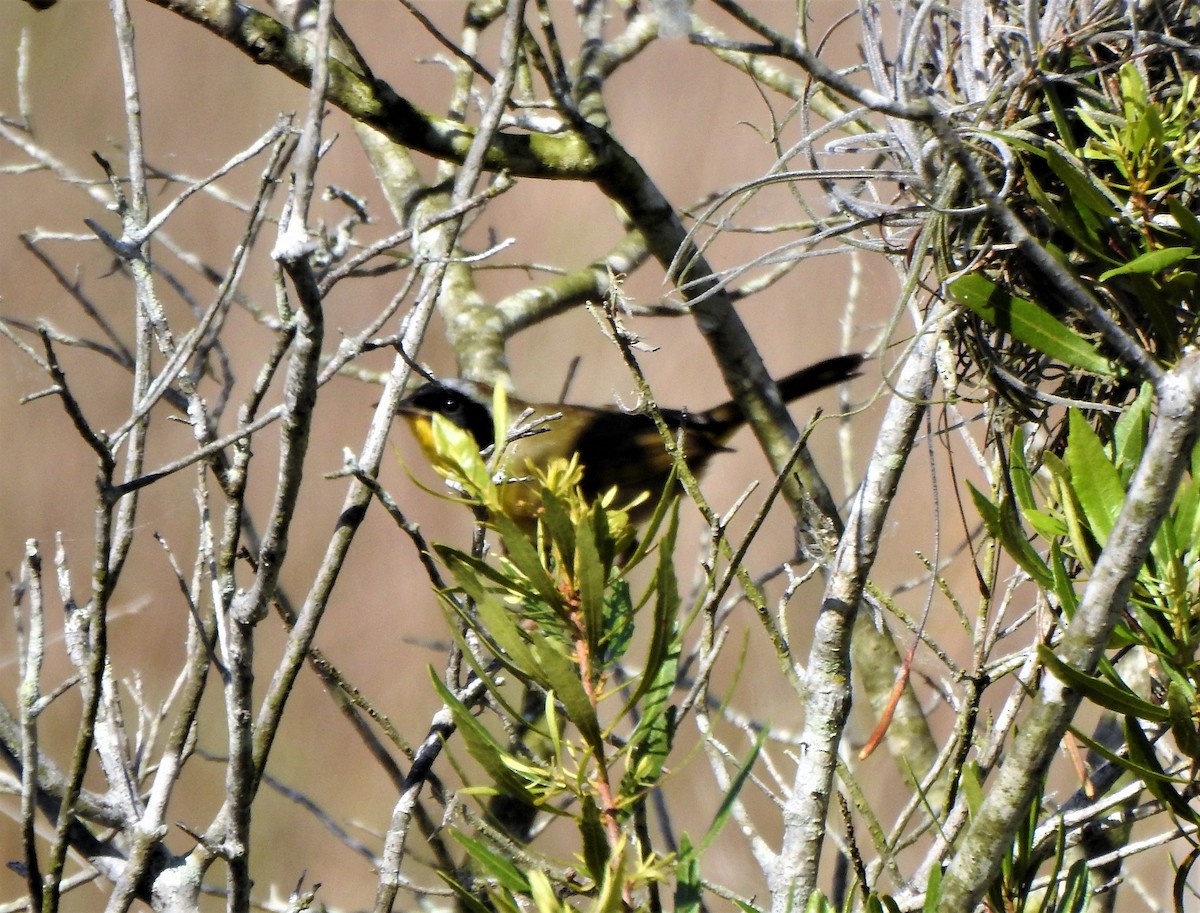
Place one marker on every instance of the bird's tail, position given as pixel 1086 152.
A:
pixel 819 376
pixel 723 420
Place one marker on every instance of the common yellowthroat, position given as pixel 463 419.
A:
pixel 616 449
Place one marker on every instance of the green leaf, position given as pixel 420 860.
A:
pixel 666 611
pixel 1186 513
pixel 1072 514
pixel 562 676
pixel 651 740
pixel 1019 475
pixel 1094 479
pixel 933 890
pixel 542 893
pixel 1141 752
pixel 556 523
pixel 500 414
pixel 1185 218
pixel 503 626
pixel 972 786
pixel 492 863
pixel 735 788
pixel 1029 323
pixel 1129 433
pixel 688 892
pixel 618 623
pixel 461 456
pixel 1097 690
pixel 1134 768
pixel 1001 521
pixel 471 903
pixel 819 903
pixel 1183 723
pixel 748 908
pixel 1064 586
pixel 470 573
pixel 595 840
pixel 610 899
pixel 1180 887
pixel 524 557
pixel 481 745
pixel 1082 187
pixel 667 501
pixel 1154 261
pixel 590 574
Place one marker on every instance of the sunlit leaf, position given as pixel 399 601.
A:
pixel 481 745
pixel 688 892
pixel 1029 323
pixel 492 863
pixel 1098 691
pixel 562 675
pixel 1153 261
pixel 595 840
pixel 1095 481
pixel 1082 186
pixel 1001 521
pixel 590 575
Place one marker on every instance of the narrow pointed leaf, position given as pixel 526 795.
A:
pixel 590 575
pixel 735 788
pixel 556 523
pixel 491 862
pixel 1097 690
pixel 524 557
pixel 1154 261
pixel 1141 752
pixel 688 890
pixel 1029 323
pixel 1001 521
pixel 481 745
pixel 467 571
pixel 1082 186
pixel 1183 723
pixel 595 840
pixel 1095 482
pixel 562 676
pixel 666 612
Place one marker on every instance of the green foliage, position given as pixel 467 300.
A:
pixel 1029 323
pixel 1152 146
pixel 553 609
pixel 1071 504
pixel 1106 181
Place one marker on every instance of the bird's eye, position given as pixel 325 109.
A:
pixel 450 405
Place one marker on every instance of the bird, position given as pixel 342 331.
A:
pixel 615 448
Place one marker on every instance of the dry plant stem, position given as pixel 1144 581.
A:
pixel 591 283
pixel 464 184
pixel 248 747
pixel 793 875
pixel 133 211
pixel 87 630
pixel 32 653
pixel 150 829
pixel 1150 494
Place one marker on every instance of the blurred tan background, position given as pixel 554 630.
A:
pixel 692 126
